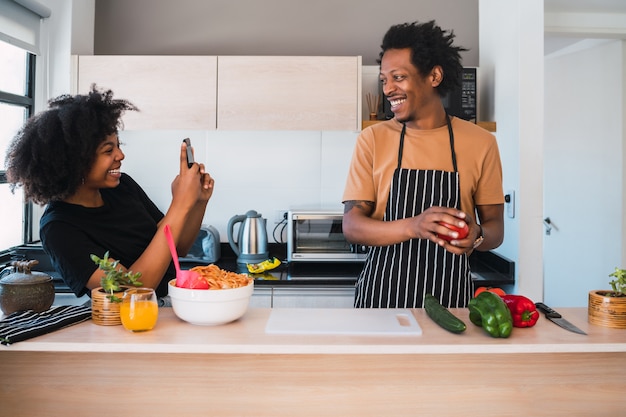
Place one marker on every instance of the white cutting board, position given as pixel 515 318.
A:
pixel 345 321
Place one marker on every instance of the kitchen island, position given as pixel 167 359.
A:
pixel 239 370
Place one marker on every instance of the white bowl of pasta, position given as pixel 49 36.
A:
pixel 226 300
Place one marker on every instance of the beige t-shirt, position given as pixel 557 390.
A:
pixel 376 157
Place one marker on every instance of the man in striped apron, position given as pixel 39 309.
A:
pixel 405 178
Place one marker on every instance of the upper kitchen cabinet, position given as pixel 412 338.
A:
pixel 171 92
pixel 289 93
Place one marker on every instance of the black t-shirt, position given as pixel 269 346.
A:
pixel 124 226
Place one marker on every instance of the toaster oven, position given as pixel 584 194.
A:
pixel 317 236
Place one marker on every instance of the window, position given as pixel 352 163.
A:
pixel 17 69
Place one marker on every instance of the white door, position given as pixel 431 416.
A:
pixel 583 171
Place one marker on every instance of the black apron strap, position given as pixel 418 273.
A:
pixel 401 147
pixel 451 134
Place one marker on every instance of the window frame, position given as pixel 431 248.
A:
pixel 28 103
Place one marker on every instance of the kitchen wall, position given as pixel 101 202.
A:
pixel 511 60
pixel 271 27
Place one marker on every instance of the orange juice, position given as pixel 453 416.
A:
pixel 139 315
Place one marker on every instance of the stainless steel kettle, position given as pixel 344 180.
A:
pixel 251 244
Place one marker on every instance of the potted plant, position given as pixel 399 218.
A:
pixel 106 299
pixel 608 307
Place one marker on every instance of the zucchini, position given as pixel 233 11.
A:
pixel 442 315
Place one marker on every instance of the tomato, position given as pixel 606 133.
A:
pixel 496 290
pixel 463 232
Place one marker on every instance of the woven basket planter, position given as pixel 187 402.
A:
pixel 607 311
pixel 104 311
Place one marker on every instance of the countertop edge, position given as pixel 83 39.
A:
pixel 248 336
pixel 321 349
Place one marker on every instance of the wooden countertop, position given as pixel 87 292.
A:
pixel 247 336
pixel 237 369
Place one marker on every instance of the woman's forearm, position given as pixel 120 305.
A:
pixel 191 228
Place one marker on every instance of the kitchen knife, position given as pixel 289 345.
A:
pixel 555 317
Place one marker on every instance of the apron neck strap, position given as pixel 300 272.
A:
pixel 401 145
pixel 450 134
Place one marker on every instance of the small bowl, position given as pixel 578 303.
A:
pixel 209 307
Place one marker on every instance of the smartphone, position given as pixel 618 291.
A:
pixel 190 160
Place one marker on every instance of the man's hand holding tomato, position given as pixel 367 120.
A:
pixel 462 232
pixel 448 227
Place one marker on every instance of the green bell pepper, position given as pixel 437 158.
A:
pixel 490 312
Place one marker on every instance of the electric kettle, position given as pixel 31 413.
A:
pixel 251 244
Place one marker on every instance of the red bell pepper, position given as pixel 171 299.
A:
pixel 522 310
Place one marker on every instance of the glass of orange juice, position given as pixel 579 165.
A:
pixel 139 310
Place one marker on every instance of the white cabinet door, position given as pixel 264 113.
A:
pixel 171 92
pixel 305 297
pixel 289 93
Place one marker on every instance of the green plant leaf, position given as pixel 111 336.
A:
pixel 115 277
pixel 619 283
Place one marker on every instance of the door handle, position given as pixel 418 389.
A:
pixel 549 225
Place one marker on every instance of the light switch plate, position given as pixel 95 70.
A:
pixel 509 202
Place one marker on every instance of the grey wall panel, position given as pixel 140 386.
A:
pixel 271 27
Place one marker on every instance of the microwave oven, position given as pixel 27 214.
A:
pixel 317 236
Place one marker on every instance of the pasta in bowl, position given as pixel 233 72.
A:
pixel 226 299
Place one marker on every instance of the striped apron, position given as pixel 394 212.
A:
pixel 399 275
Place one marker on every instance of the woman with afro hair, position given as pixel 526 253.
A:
pixel 68 157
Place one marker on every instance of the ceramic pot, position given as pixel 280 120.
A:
pixel 104 311
pixel 23 289
pixel 607 311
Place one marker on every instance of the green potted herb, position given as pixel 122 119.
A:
pixel 105 299
pixel 619 283
pixel 608 307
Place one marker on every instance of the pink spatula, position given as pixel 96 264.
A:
pixel 184 278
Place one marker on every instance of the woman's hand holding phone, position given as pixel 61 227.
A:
pixel 190 159
pixel 206 181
